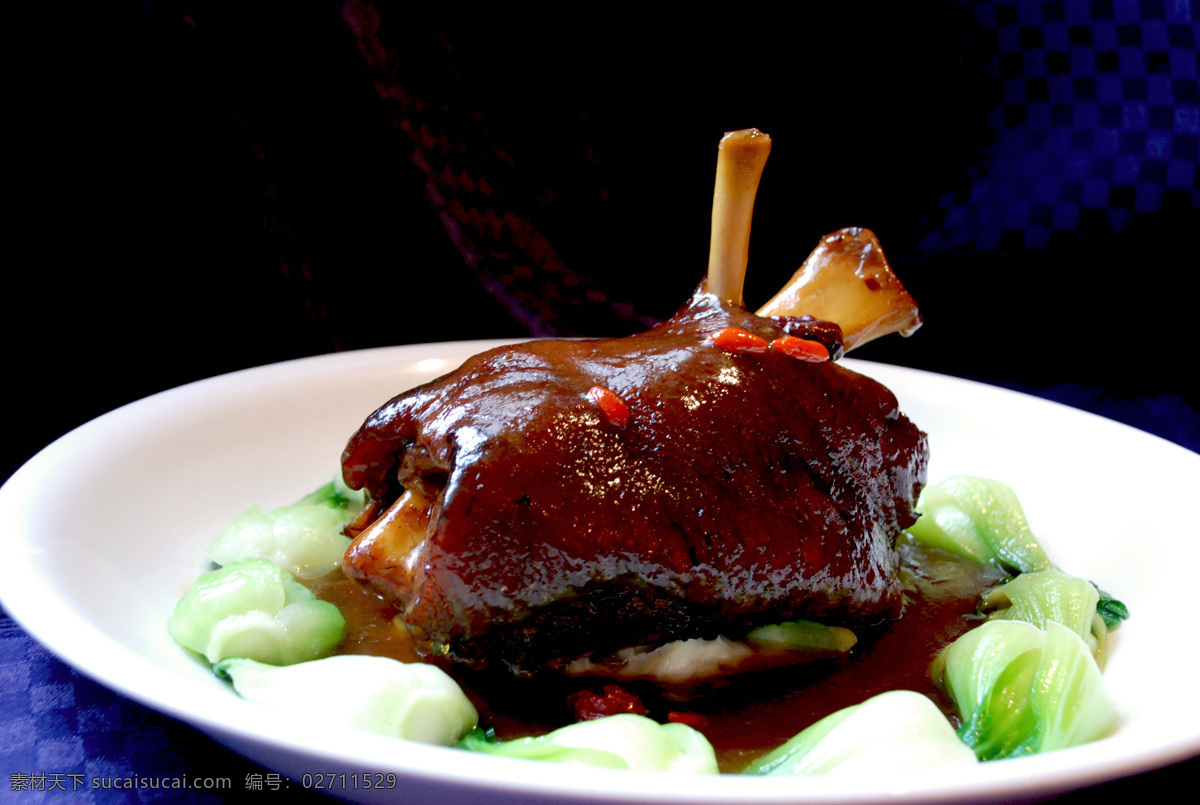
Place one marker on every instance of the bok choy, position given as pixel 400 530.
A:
pixel 981 520
pixel 255 609
pixel 893 731
pixel 623 741
pixel 1029 680
pixel 1021 689
pixel 1051 596
pixel 413 701
pixel 305 538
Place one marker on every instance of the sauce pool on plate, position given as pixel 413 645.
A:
pixel 743 716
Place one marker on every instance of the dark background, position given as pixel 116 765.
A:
pixel 211 186
pixel 202 187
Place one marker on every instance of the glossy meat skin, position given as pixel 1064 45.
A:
pixel 745 489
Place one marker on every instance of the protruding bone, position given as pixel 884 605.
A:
pixel 390 549
pixel 847 280
pixel 740 160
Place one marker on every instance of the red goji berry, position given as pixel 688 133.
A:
pixel 609 701
pixel 801 348
pixel 613 407
pixel 735 339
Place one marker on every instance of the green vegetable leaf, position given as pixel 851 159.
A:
pixel 336 494
pixel 1020 689
pixel 1046 596
pixel 1111 610
pixel 889 732
pixel 623 741
pixel 414 701
pixel 981 520
pixel 803 636
pixel 253 608
pixel 305 538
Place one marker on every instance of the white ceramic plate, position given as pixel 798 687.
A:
pixel 104 530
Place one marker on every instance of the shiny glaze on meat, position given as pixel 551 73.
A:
pixel 745 489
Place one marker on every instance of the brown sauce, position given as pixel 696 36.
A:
pixel 748 715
